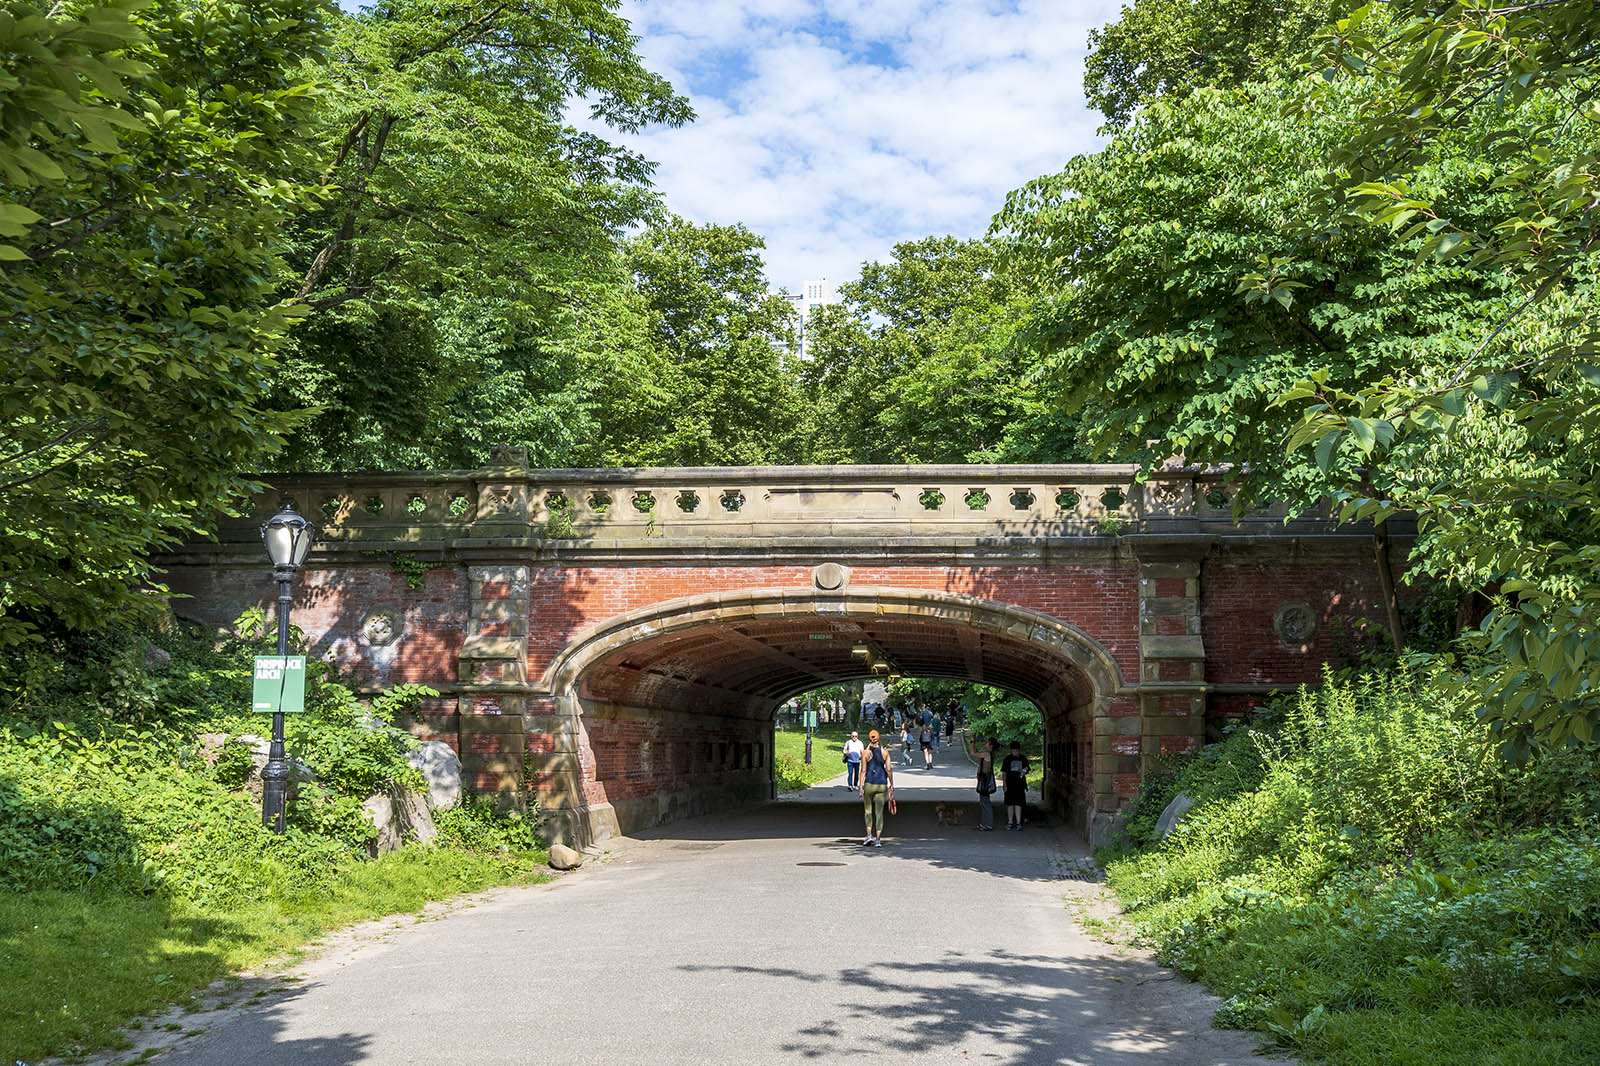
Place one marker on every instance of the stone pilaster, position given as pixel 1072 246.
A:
pixel 1172 659
pixel 494 672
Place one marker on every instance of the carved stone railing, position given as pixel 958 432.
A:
pixel 740 503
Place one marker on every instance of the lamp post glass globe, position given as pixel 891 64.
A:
pixel 287 536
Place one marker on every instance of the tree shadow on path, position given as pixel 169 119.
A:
pixel 1005 1009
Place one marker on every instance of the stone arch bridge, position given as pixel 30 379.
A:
pixel 615 643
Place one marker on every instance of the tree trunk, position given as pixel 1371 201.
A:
pixel 1380 548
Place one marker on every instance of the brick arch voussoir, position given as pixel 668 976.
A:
pixel 1059 638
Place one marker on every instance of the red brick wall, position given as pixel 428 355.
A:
pixel 1238 603
pixel 1102 601
pixel 330 606
pixel 637 756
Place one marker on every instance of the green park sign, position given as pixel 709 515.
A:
pixel 280 684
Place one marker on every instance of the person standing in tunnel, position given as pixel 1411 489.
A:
pixel 852 760
pixel 1015 774
pixel 877 783
pixel 986 787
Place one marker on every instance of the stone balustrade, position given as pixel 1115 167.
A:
pixel 586 505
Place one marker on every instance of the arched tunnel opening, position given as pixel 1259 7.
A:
pixel 674 708
pixel 935 733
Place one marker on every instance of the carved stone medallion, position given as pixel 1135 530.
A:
pixel 381 627
pixel 1295 622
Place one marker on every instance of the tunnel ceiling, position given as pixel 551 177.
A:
pixel 767 660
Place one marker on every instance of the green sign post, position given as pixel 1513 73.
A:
pixel 280 684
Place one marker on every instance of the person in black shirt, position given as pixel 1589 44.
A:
pixel 1014 772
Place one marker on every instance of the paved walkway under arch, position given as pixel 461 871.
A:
pixel 766 937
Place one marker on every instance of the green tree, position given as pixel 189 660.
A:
pixel 1513 418
pixel 1160 347
pixel 1169 48
pixel 916 364
pixel 465 254
pixel 718 390
pixel 149 156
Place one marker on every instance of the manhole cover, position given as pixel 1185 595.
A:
pixel 821 864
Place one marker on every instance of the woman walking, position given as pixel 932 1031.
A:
pixel 985 786
pixel 877 785
pixel 1015 770
pixel 926 740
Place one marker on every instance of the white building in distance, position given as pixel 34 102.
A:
pixel 812 294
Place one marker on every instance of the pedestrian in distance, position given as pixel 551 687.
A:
pixel 949 727
pixel 938 727
pixel 877 788
pixel 852 760
pixel 926 740
pixel 986 786
pixel 1014 771
pixel 905 741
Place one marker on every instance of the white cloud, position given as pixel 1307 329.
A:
pixel 835 128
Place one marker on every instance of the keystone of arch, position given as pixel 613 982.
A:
pixel 1063 640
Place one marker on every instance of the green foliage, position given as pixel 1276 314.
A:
pixel 476 824
pixel 990 712
pixel 1170 48
pixel 720 391
pixel 149 156
pixel 1512 412
pixel 916 365
pixel 463 266
pixel 1360 874
pixel 123 791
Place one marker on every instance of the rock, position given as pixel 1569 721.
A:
pixel 380 812
pixel 210 747
pixel 398 816
pixel 441 769
pixel 299 772
pixel 157 658
pixel 1175 810
pixel 416 821
pixel 564 858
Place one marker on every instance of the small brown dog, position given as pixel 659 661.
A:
pixel 948 814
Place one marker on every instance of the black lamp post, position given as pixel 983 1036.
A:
pixel 288 538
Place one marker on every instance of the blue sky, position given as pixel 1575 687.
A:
pixel 835 128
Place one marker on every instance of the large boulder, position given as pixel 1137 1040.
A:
pixel 564 858
pixel 441 769
pixel 399 816
pixel 1180 805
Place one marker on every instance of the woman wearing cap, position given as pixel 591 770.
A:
pixel 877 784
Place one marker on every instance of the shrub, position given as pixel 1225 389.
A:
pixel 1362 875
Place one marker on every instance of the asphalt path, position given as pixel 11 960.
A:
pixel 770 936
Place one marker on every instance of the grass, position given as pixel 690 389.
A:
pixel 827 756
pixel 77 967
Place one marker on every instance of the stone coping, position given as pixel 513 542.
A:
pixel 839 472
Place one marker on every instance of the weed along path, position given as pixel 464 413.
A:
pixel 766 937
